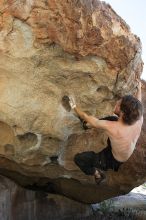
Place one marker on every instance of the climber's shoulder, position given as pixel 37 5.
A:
pixel 106 124
pixel 98 123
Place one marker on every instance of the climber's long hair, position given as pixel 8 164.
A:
pixel 132 109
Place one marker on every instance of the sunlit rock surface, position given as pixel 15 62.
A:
pixel 49 49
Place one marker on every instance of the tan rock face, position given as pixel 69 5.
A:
pixel 49 49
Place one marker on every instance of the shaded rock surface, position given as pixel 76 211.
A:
pixel 17 203
pixel 49 49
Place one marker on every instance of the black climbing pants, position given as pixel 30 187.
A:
pixel 88 161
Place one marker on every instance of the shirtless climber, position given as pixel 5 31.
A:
pixel 123 130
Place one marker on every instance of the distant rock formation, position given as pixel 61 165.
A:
pixel 49 49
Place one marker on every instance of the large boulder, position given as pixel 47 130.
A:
pixel 50 49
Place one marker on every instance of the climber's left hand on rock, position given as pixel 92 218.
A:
pixel 72 102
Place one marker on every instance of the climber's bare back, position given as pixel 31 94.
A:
pixel 123 138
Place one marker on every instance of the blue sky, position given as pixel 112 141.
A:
pixel 134 13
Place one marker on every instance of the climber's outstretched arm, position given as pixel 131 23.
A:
pixel 93 121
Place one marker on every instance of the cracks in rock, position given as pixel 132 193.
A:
pixel 33 122
pixel 30 145
pixel 4 9
pixel 108 94
pixel 71 19
pixel 30 139
pixel 119 72
pixel 54 159
pixel 37 145
pixel 92 78
pixel 106 58
pixel 116 81
pixel 34 7
pixel 12 28
pixel 12 105
pixel 46 187
pixel 6 32
pixel 132 59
